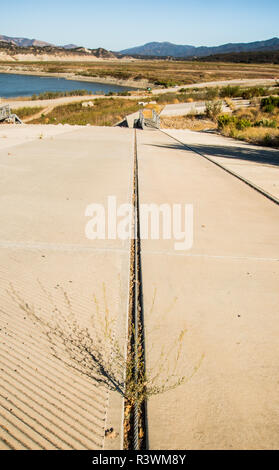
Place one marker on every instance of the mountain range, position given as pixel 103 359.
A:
pixel 154 49
pixel 167 49
pixel 25 42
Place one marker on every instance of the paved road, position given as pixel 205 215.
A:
pixel 223 294
pixel 49 264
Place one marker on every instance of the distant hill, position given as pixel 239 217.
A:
pixel 11 51
pixel 70 46
pixel 24 42
pixel 23 46
pixel 255 57
pixel 167 49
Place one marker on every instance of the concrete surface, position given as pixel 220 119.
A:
pixel 260 165
pixel 210 312
pixel 16 134
pixel 182 109
pixel 222 295
pixel 131 119
pixel 47 263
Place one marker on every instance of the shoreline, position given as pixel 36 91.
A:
pixel 141 84
pixel 141 88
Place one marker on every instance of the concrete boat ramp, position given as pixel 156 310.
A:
pixel 212 310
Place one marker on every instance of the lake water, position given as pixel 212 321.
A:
pixel 26 85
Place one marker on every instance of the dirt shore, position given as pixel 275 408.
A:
pixel 71 76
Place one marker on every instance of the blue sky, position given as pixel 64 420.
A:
pixel 120 24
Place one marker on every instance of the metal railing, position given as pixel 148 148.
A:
pixel 5 113
pixel 153 121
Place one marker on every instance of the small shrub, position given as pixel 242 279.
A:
pixel 269 108
pixel 242 123
pixel 269 104
pixel 226 120
pixel 266 123
pixel 254 92
pixel 213 109
pixel 212 93
pixel 230 91
pixel 165 83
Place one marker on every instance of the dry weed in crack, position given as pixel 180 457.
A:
pixel 100 356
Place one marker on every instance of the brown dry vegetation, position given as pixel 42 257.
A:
pixel 256 135
pixel 253 125
pixel 25 112
pixel 162 72
pixel 186 122
pixel 106 112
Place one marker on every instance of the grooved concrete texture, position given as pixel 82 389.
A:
pixel 49 174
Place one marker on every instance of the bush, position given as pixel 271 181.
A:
pixel 213 109
pixel 233 121
pixel 230 91
pixel 266 123
pixel 254 92
pixel 269 104
pixel 165 83
pixel 269 108
pixel 124 93
pixel 212 93
pixel 243 123
pixel 226 120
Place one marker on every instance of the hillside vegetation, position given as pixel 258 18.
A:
pixel 259 124
pixel 105 112
pixel 163 49
pixel 10 51
pixel 258 57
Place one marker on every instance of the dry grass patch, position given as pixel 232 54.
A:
pixel 186 122
pixel 106 112
pixel 255 135
pixel 153 71
pixel 26 112
pixel 157 107
pixel 255 125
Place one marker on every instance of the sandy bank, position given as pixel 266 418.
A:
pixel 138 84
